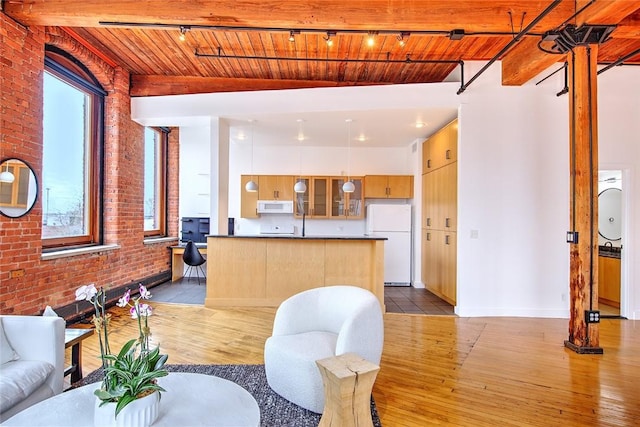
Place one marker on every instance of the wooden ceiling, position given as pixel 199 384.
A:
pixel 246 43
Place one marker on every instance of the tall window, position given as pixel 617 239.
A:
pixel 71 171
pixel 155 172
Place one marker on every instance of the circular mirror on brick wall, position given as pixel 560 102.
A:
pixel 18 188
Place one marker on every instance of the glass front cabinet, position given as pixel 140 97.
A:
pixel 347 205
pixel 315 201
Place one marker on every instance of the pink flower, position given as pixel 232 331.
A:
pixel 144 293
pixel 86 292
pixel 124 300
pixel 144 310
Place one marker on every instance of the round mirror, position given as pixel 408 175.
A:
pixel 609 208
pixel 18 188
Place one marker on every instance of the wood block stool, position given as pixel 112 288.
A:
pixel 348 380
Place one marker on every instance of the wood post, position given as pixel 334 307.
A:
pixel 583 123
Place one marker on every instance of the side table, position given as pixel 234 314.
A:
pixel 73 338
pixel 348 380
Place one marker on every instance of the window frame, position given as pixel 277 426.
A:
pixel 63 66
pixel 162 191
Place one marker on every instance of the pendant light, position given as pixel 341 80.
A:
pixel 6 176
pixel 300 186
pixel 348 186
pixel 251 186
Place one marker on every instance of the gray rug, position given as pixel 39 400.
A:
pixel 274 409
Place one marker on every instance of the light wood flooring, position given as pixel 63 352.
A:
pixel 436 370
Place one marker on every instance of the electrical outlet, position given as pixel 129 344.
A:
pixel 13 274
pixel 592 316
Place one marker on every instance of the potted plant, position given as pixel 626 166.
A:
pixel 130 376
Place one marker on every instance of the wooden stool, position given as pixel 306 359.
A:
pixel 348 380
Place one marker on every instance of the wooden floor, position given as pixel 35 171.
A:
pixel 438 370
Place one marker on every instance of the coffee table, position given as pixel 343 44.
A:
pixel 190 400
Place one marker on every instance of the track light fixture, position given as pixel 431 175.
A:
pixel 328 38
pixel 183 31
pixel 292 35
pixel 402 38
pixel 371 38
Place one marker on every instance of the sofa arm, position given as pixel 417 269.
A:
pixel 38 338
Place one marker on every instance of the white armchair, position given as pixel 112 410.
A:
pixel 316 324
pixel 27 380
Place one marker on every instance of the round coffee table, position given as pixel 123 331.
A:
pixel 190 400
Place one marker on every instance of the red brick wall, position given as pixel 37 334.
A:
pixel 53 282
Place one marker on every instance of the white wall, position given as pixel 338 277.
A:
pixel 619 148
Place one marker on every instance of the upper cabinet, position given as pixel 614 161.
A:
pixel 314 202
pixel 275 187
pixel 248 200
pixel 441 148
pixel 347 205
pixel 388 186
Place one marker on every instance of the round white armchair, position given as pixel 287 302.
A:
pixel 316 324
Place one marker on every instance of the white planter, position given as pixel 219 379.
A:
pixel 139 413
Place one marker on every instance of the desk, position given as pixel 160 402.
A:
pixel 73 338
pixel 177 265
pixel 190 400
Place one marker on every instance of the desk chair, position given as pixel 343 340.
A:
pixel 193 258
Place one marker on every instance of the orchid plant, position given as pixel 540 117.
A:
pixel 133 372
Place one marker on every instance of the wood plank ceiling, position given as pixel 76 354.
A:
pixel 247 43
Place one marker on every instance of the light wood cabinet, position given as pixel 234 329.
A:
pixel 441 148
pixel 346 205
pixel 439 263
pixel 388 186
pixel 275 187
pixel 439 212
pixel 609 281
pixel 315 200
pixel 248 200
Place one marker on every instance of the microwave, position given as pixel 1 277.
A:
pixel 275 206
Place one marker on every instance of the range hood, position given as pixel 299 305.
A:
pixel 275 206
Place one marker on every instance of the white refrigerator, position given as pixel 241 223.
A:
pixel 394 223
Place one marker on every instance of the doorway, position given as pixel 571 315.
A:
pixel 610 242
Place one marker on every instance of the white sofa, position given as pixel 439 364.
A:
pixel 316 324
pixel 32 351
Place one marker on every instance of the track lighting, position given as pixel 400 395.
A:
pixel 292 35
pixel 371 38
pixel 402 38
pixel 183 32
pixel 328 38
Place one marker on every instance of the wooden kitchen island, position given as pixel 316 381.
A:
pixel 262 271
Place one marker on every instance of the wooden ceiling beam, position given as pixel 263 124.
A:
pixel 149 85
pixel 470 15
pixel 525 60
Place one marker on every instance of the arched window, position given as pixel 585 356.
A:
pixel 73 116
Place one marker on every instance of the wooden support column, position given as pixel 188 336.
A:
pixel 583 122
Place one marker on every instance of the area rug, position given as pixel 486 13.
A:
pixel 274 409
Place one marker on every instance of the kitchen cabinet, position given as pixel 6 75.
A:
pixel 346 205
pixel 439 213
pixel 609 280
pixel 275 187
pixel 388 186
pixel 315 200
pixel 439 263
pixel 441 148
pixel 248 200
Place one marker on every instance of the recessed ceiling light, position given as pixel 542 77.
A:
pixel 420 125
pixel 362 138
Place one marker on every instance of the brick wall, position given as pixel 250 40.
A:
pixel 53 282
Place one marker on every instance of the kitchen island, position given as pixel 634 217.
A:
pixel 262 271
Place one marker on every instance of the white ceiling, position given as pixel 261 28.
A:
pixel 385 116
